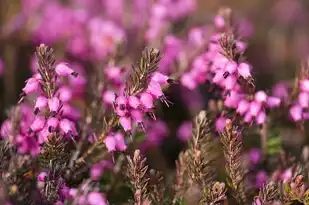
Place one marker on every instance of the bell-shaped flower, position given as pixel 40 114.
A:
pixel 62 69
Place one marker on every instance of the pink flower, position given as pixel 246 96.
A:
pixel 187 80
pixel 184 132
pixel 126 123
pixel 6 129
pixel 296 112
pixel 255 108
pixel 146 100
pixel 96 198
pixel 304 85
pixel 243 107
pixel 62 69
pixel 273 102
pixel 109 97
pixel 303 99
pixel 67 127
pixel 110 143
pixel 220 124
pixel 219 22
pixel 52 123
pixel 120 142
pixel 65 94
pixel 260 96
pixel 244 70
pixel 42 177
pixel 38 124
pixel 40 103
pixel 54 104
pixel 96 171
pixel 261 118
pixel 134 102
pixel 32 85
pixel 155 89
pixel 160 78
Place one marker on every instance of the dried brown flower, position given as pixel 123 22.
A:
pixel 137 174
pixel 232 146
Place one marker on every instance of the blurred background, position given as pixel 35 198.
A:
pixel 277 33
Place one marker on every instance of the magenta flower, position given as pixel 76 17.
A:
pixel 42 177
pixel 110 143
pixel 126 123
pixel 62 69
pixel 184 131
pixel 220 123
pixel 54 104
pixel 96 198
pixel 40 103
pixel 296 112
pixel 32 85
pixel 38 124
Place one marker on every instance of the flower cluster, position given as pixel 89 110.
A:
pixel 51 111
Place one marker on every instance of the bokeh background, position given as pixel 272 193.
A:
pixel 278 44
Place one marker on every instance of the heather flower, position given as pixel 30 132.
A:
pixel 62 69
pixel 38 124
pixel 32 85
pixel 184 131
pixel 296 112
pixel 220 124
pixel 254 156
pixel 40 103
pixel 96 198
pixel 65 94
pixel 68 127
pixel 54 104
pixel 6 129
pixel 42 177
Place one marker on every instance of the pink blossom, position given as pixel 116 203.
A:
pixel 42 176
pixel 109 97
pixel 184 132
pixel 110 143
pixel 261 118
pixel 255 108
pixel 188 81
pixel 120 142
pixel 62 69
pixel 296 112
pixel 67 127
pixel 52 123
pixel 273 102
pixel 40 103
pixel 32 85
pixel 126 123
pixel 54 104
pixel 96 171
pixel 133 101
pixel 303 99
pixel 146 100
pixel 260 96
pixel 96 198
pixel 220 124
pixel 304 85
pixel 65 94
pixel 243 107
pixel 244 70
pixel 38 124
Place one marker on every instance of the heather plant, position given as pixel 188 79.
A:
pixel 90 124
